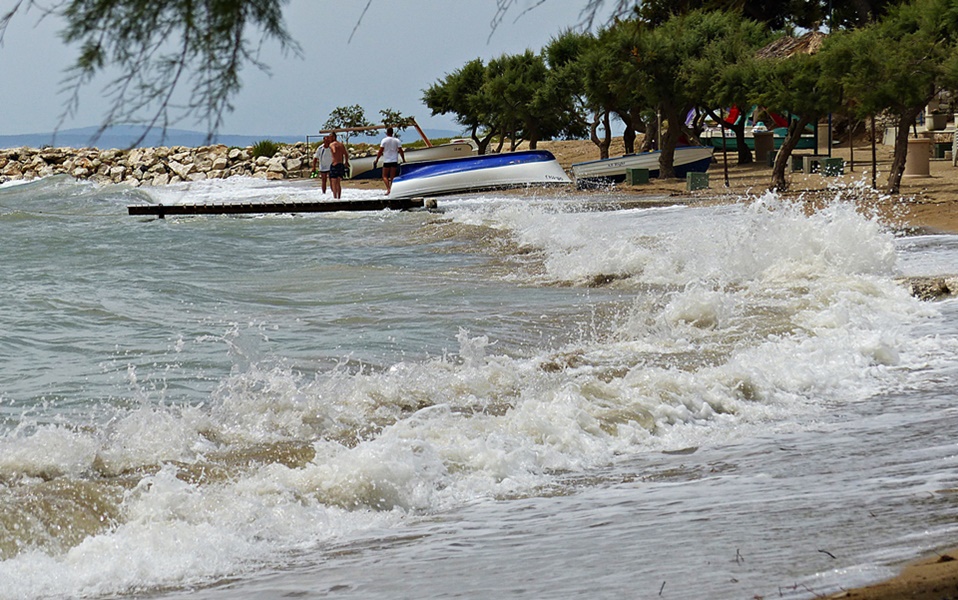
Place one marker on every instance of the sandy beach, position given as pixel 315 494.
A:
pixel 925 203
pixel 928 203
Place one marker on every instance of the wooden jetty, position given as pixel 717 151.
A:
pixel 250 208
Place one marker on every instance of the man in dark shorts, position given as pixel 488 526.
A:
pixel 338 168
pixel 322 161
pixel 390 150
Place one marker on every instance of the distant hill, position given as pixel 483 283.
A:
pixel 123 136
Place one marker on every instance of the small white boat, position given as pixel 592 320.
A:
pixel 730 143
pixel 687 159
pixel 362 168
pixel 480 172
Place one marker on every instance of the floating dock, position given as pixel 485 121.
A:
pixel 251 208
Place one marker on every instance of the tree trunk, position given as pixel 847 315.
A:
pixel 744 153
pixel 628 134
pixel 482 145
pixel 606 141
pixel 651 139
pixel 905 120
pixel 784 155
pixel 628 139
pixel 670 139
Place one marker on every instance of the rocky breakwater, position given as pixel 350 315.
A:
pixel 154 166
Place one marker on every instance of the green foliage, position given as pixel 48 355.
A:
pixel 393 118
pixel 896 65
pixel 347 116
pixel 461 93
pixel 267 148
pixel 515 96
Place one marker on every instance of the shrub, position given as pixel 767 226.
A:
pixel 265 148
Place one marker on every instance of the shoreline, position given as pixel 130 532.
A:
pixel 928 203
pixel 932 577
pixel 924 203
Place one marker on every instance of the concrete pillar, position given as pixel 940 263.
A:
pixel 918 163
pixel 764 143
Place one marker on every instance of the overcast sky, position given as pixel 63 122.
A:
pixel 400 48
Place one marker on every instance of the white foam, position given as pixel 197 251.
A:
pixel 247 189
pixel 737 316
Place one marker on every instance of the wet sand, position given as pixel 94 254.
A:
pixel 931 578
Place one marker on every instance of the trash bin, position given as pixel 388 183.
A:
pixel 833 167
pixel 917 163
pixel 636 176
pixel 696 181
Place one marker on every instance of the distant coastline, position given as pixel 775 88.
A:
pixel 123 137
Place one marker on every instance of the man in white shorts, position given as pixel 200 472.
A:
pixel 390 150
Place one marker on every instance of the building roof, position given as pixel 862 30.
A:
pixel 786 46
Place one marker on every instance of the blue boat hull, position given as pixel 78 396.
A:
pixel 486 171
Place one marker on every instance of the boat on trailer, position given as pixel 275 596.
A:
pixel 480 172
pixel 687 159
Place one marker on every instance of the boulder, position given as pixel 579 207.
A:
pixel 932 287
pixel 117 173
pixel 276 164
pixel 180 169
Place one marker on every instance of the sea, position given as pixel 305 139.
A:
pixel 549 394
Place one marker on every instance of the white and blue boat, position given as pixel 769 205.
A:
pixel 687 159
pixel 480 172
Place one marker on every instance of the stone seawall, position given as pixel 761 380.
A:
pixel 154 166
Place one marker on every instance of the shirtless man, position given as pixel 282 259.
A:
pixel 339 165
